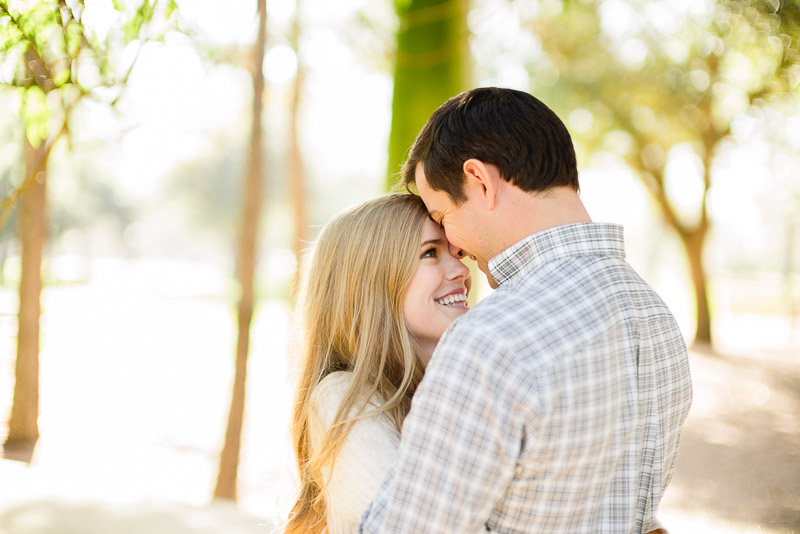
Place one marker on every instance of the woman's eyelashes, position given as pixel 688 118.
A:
pixel 429 253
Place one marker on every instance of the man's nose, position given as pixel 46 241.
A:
pixel 456 251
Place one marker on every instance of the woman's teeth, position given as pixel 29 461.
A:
pixel 454 299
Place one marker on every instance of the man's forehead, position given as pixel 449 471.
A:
pixel 435 213
pixel 423 189
pixel 434 208
pixel 435 201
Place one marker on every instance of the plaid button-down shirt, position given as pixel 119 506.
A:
pixel 555 405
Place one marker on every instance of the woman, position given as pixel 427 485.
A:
pixel 381 290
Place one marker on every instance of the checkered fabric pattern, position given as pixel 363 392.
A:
pixel 554 406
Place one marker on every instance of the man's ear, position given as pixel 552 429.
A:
pixel 483 178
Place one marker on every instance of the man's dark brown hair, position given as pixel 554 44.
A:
pixel 510 129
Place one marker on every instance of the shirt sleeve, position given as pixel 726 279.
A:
pixel 460 442
pixel 365 458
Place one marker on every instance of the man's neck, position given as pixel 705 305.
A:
pixel 525 213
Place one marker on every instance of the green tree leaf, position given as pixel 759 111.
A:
pixel 36 113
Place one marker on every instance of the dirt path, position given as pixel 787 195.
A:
pixel 740 455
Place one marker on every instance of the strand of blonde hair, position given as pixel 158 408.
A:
pixel 352 320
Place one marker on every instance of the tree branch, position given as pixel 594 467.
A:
pixel 40 78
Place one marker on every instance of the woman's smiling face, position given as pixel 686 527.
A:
pixel 437 293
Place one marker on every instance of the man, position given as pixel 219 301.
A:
pixel 556 404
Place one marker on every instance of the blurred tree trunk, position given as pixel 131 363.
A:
pixel 692 237
pixel 229 459
pixel 296 172
pixel 23 425
pixel 431 65
pixel 693 243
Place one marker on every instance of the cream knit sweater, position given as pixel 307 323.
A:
pixel 368 452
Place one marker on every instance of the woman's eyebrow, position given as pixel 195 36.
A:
pixel 437 241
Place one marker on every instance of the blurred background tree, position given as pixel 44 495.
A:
pixel 251 206
pixel 431 64
pixel 55 62
pixel 661 89
pixel 296 174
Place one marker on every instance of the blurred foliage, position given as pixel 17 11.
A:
pixel 69 55
pixel 684 82
pixel 54 59
pixel 662 80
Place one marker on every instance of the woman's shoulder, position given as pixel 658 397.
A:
pixel 327 397
pixel 335 384
pixel 329 393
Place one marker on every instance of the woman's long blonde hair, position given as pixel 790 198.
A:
pixel 352 314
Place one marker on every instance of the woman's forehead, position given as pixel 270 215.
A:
pixel 431 232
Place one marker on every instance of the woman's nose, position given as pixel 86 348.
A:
pixel 457 270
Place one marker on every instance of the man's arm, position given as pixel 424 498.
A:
pixel 459 445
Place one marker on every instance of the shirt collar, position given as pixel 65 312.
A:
pixel 580 239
